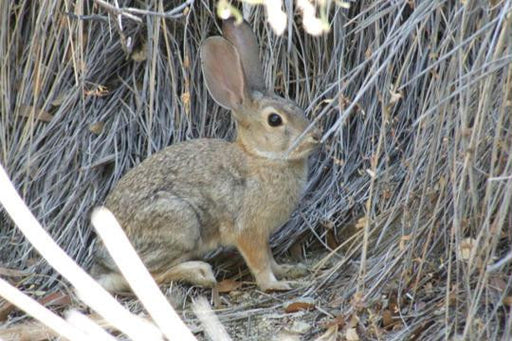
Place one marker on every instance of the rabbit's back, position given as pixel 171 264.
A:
pixel 181 198
pixel 201 172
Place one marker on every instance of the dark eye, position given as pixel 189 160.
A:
pixel 274 120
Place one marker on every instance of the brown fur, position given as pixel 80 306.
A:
pixel 192 197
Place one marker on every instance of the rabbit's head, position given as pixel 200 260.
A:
pixel 268 125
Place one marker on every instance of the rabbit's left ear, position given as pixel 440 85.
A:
pixel 247 46
pixel 223 72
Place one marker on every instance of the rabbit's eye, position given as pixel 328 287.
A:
pixel 274 120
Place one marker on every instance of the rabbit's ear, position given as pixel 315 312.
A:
pixel 246 44
pixel 223 73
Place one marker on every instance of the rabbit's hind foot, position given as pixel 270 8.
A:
pixel 193 272
pixel 113 282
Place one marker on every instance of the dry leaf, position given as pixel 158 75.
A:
pixel 361 222
pixel 96 128
pixel 354 321
pixel 498 283
pixel 185 97
pixel 296 250
pixel 403 239
pixel 228 285
pixel 352 334
pixel 41 115
pixel 338 321
pixel 465 247
pixel 329 335
pixel 371 173
pixel 140 54
pixel 57 298
pixel 13 272
pixel 339 162
pixel 357 301
pixel 507 301
pixel 305 303
pixel 98 91
pixel 387 319
pixel 395 96
pixel 331 240
pixel 60 98
pixel 368 53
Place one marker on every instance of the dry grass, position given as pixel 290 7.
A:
pixel 410 195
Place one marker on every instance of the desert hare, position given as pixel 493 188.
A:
pixel 194 196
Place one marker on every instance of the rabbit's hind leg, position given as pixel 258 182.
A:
pixel 193 272
pixel 165 231
pixel 168 237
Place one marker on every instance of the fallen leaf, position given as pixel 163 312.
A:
pixel 386 194
pixel 98 91
pixel 296 250
pixel 361 222
pixel 305 303
pixel 331 240
pixel 41 115
pixel 465 247
pixel 339 162
pixel 395 96
pixel 217 303
pixel 228 285
pixel 498 283
pixel 357 300
pixel 96 128
pixel 507 301
pixel 60 98
pixel 354 321
pixel 57 298
pixel 101 162
pixel 329 335
pixel 338 321
pixel 371 173
pixel 6 272
pixel 352 335
pixel 403 240
pixel 140 54
pixel 387 319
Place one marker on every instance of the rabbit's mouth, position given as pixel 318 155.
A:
pixel 305 148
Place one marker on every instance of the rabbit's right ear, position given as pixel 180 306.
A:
pixel 247 46
pixel 223 72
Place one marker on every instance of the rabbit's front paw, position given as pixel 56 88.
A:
pixel 275 286
pixel 290 270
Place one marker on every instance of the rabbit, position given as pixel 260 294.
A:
pixel 194 196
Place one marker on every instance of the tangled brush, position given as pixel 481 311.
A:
pixel 408 199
